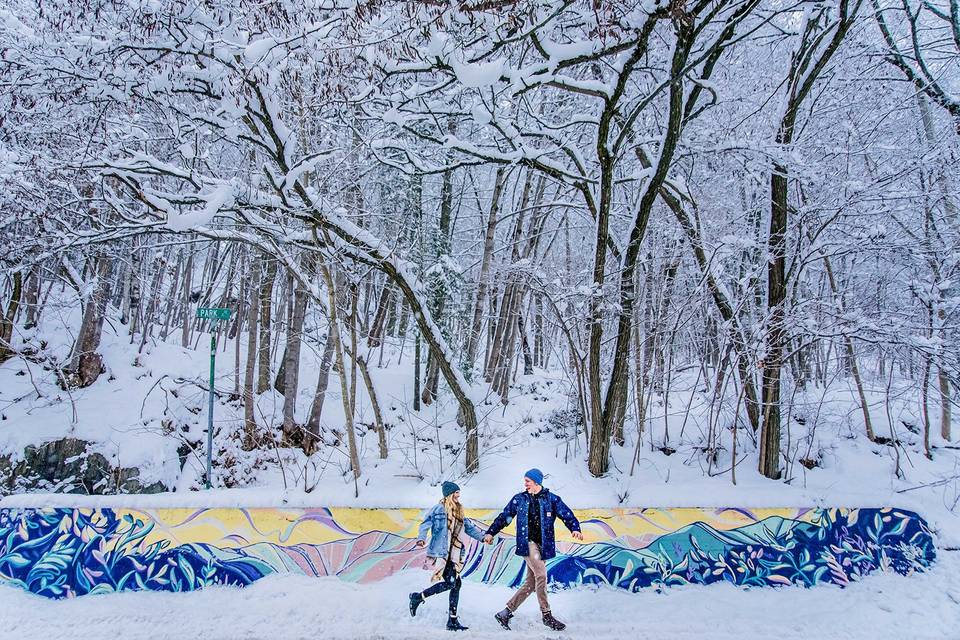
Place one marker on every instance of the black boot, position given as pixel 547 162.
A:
pixel 552 622
pixel 416 599
pixel 454 625
pixel 503 617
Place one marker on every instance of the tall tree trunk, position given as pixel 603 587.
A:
pixel 171 296
pixel 354 302
pixel 32 298
pixel 378 326
pixel 187 293
pixel 806 65
pixel 280 381
pixel 539 357
pixel 323 381
pixel 775 331
pixel 126 281
pixel 925 405
pixel 473 337
pixel 438 299
pixel 375 403
pixel 945 400
pixel 160 261
pixel 265 304
pixel 341 365
pixel 851 355
pixel 85 363
pixel 417 357
pixel 292 364
pixel 525 347
pixel 132 304
pixel 9 317
pixel 613 409
pixel 942 179
pixel 249 415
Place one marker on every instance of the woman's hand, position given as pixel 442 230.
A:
pixel 577 535
pixel 488 539
pixel 421 543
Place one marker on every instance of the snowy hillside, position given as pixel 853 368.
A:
pixel 148 412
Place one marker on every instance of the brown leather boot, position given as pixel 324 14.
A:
pixel 503 617
pixel 552 622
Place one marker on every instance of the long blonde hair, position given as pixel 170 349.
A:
pixel 453 507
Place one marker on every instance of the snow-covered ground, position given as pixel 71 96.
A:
pixel 923 606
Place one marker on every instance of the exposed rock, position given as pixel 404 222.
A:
pixel 66 466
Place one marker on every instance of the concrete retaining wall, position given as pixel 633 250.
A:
pixel 66 552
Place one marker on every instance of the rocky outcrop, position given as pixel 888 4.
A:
pixel 68 466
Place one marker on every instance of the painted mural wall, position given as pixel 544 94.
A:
pixel 66 552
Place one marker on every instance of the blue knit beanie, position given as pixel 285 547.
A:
pixel 534 474
pixel 449 487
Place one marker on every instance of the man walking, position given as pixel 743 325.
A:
pixel 536 510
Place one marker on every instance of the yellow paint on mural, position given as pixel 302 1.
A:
pixel 230 527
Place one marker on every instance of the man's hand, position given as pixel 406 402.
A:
pixel 577 535
pixel 488 539
pixel 421 543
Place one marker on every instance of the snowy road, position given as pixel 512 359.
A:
pixel 281 608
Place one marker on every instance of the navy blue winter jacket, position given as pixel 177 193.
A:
pixel 550 509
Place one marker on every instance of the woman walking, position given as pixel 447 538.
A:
pixel 446 523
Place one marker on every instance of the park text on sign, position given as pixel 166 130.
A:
pixel 205 313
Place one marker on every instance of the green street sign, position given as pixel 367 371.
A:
pixel 213 313
pixel 216 314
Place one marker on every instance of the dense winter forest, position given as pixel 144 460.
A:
pixel 693 228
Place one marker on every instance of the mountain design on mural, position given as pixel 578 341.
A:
pixel 701 536
pixel 65 552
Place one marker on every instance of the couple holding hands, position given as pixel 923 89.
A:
pixel 535 509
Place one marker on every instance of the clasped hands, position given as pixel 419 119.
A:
pixel 488 539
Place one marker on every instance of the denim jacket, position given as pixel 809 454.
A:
pixel 435 521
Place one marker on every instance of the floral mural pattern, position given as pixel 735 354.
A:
pixel 66 552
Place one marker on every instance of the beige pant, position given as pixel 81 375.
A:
pixel 536 581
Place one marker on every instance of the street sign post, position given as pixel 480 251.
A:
pixel 213 313
pixel 217 315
